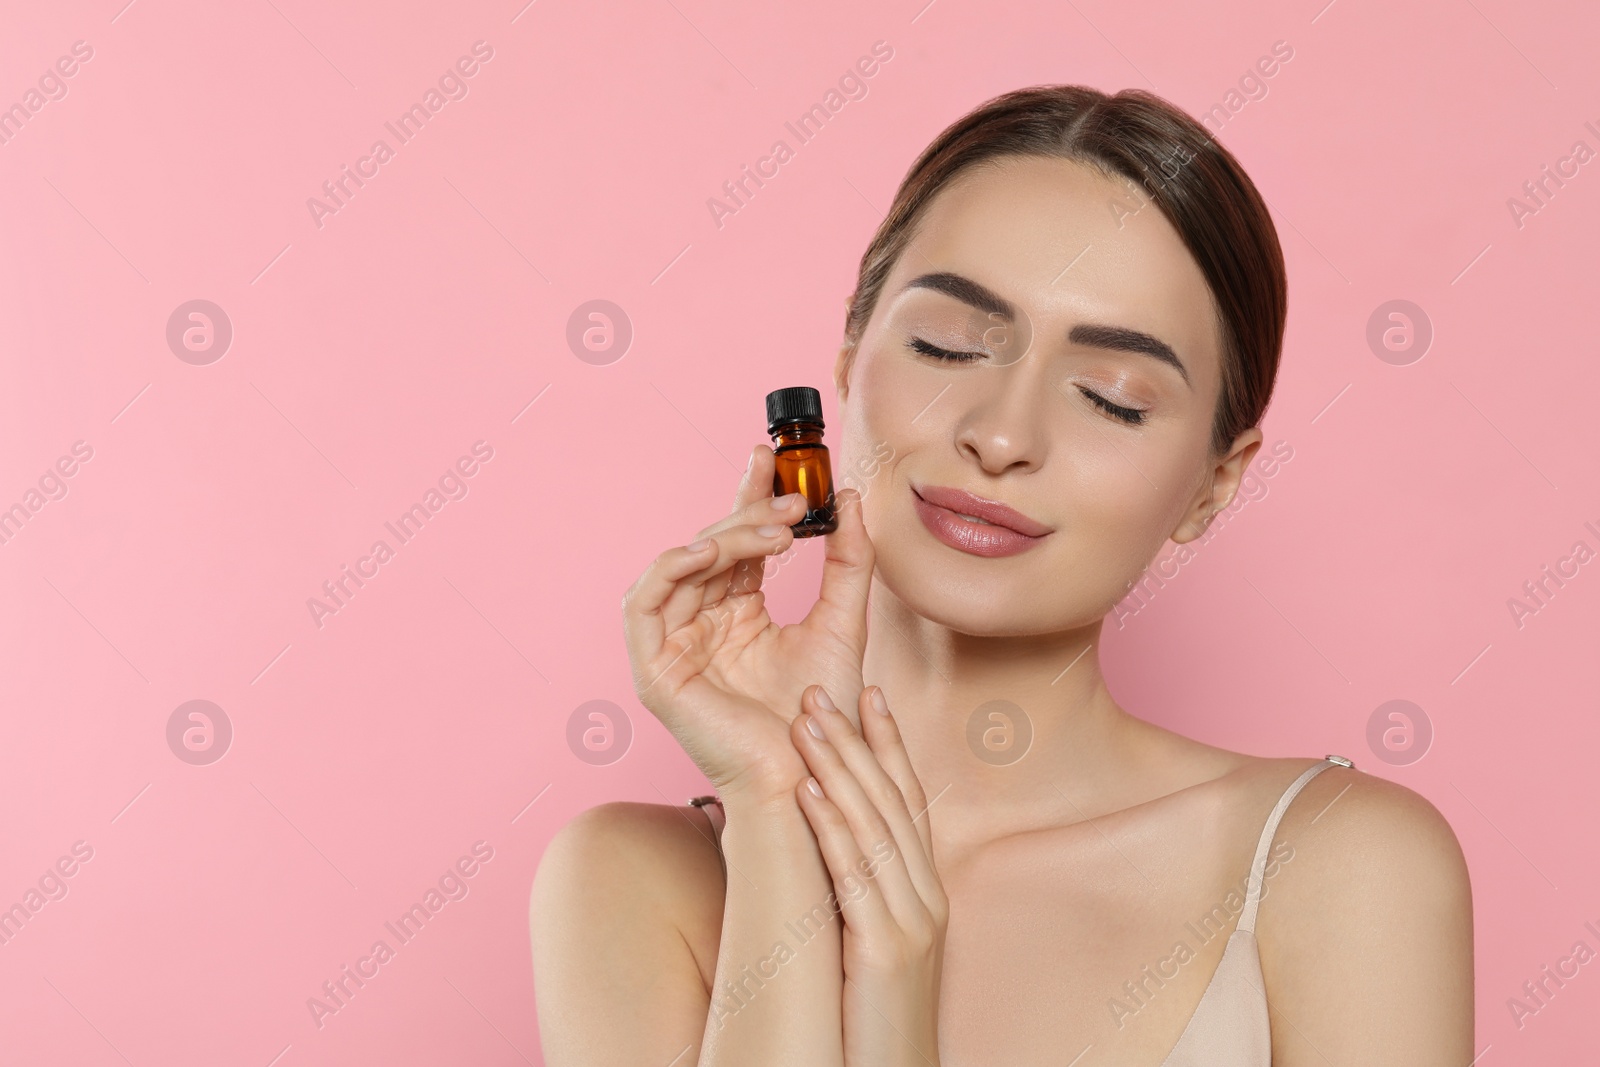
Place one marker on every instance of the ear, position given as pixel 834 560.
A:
pixel 841 369
pixel 841 364
pixel 1219 490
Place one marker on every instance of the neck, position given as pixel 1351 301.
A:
pixel 1005 733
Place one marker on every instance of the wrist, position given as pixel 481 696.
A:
pixel 770 830
pixel 765 788
pixel 765 801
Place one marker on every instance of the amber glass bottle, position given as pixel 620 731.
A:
pixel 794 419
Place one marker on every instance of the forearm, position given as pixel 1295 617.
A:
pixel 776 997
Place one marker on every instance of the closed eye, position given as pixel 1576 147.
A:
pixel 1131 416
pixel 927 348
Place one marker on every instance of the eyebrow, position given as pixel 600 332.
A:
pixel 1092 335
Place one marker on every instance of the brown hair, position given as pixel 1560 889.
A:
pixel 1194 181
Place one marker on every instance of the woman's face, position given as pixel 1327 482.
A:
pixel 1041 275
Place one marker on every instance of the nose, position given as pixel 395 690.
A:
pixel 1001 424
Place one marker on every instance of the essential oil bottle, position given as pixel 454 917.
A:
pixel 794 419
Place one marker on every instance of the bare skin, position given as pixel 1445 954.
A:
pixel 1064 872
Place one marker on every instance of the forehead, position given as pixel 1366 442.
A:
pixel 1067 245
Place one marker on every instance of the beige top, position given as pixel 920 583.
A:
pixel 1230 1024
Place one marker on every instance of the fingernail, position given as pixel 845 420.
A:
pixel 771 531
pixel 700 545
pixel 816 731
pixel 878 702
pixel 824 701
pixel 782 502
pixel 811 784
pixel 750 464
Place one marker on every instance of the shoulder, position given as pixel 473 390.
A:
pixel 621 836
pixel 1369 837
pixel 1347 808
pixel 1371 905
pixel 1366 827
pixel 622 871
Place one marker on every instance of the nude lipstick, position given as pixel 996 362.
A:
pixel 974 525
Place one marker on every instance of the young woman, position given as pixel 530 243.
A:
pixel 945 843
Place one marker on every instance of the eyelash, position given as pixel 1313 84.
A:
pixel 1131 416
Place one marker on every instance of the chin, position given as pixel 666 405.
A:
pixel 975 596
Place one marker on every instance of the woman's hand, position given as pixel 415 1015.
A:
pixel 871 822
pixel 710 663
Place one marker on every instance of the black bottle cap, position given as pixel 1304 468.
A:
pixel 798 403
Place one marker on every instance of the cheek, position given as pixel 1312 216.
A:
pixel 1119 503
pixel 890 395
pixel 884 415
pixel 885 423
pixel 1132 489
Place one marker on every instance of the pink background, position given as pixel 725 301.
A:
pixel 371 752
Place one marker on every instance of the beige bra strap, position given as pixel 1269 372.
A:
pixel 1258 867
pixel 712 807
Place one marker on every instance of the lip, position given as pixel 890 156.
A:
pixel 1009 531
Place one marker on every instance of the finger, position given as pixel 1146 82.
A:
pixel 876 815
pixel 760 509
pixel 851 871
pixel 746 576
pixel 643 626
pixel 753 503
pixel 754 487
pixel 841 605
pixel 903 809
pixel 878 726
pixel 697 591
